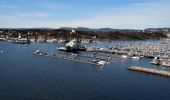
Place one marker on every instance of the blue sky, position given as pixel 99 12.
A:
pixel 134 14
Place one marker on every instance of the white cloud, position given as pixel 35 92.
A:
pixel 137 15
pixel 151 14
pixel 8 6
pixel 34 14
pixel 54 6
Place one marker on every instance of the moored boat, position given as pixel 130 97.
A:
pixel 155 61
pixel 73 45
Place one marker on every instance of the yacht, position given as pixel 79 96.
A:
pixel 101 63
pixel 39 52
pixel 135 57
pixel 73 45
pixel 155 61
pixel 124 56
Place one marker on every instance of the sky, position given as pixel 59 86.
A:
pixel 122 14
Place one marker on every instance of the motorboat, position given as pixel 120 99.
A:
pixel 136 57
pixel 124 56
pixel 101 63
pixel 39 52
pixel 155 61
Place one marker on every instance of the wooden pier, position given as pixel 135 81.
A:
pixel 150 71
pixel 80 61
pixel 70 59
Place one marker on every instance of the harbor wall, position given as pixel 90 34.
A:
pixel 150 71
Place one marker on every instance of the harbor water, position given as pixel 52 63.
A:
pixel 25 76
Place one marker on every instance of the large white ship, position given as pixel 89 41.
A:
pixel 73 45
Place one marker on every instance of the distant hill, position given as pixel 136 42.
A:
pixel 77 29
pixel 100 29
pixel 88 33
pixel 163 30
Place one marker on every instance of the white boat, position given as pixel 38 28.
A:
pixel 135 57
pixel 39 52
pixel 62 48
pixel 51 41
pixel 61 41
pixel 155 61
pixel 85 41
pixel 72 46
pixel 2 39
pixel 124 56
pixel 101 63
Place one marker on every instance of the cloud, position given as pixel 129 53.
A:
pixel 7 6
pixel 136 15
pixel 151 14
pixel 20 20
pixel 34 14
pixel 55 6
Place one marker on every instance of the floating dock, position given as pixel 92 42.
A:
pixel 68 58
pixel 80 61
pixel 150 71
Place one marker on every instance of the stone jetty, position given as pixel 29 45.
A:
pixel 150 71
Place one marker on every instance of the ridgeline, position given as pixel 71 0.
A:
pixel 85 33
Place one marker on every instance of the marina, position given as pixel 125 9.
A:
pixel 41 53
pixel 110 52
pixel 113 53
pixel 84 50
pixel 45 74
pixel 138 51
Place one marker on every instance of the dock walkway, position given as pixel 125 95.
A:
pixel 150 71
pixel 70 59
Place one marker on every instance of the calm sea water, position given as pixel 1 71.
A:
pixel 25 76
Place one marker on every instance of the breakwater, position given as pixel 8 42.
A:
pixel 150 71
